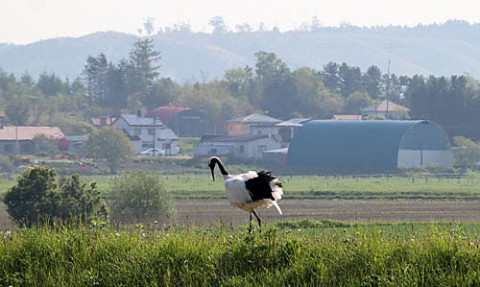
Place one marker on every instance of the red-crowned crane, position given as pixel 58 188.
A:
pixel 249 190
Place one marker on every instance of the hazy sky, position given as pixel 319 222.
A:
pixel 26 21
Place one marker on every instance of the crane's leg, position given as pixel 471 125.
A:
pixel 258 218
pixel 250 226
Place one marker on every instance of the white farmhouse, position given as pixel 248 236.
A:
pixel 147 133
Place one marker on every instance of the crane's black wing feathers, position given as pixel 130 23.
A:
pixel 259 187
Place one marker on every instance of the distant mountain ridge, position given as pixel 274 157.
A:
pixel 449 49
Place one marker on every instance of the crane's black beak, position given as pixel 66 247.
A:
pixel 213 174
pixel 211 165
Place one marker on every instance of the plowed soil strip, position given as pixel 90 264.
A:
pixel 211 212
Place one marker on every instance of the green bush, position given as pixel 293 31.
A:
pixel 140 196
pixel 38 199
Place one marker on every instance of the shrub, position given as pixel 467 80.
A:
pixel 32 199
pixel 140 196
pixel 77 200
pixel 37 199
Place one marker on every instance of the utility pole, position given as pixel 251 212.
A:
pixel 154 134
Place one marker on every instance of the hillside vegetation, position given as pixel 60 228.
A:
pixel 442 50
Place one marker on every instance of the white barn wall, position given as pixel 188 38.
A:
pixel 263 130
pixel 251 149
pixel 413 158
pixel 213 149
pixel 242 150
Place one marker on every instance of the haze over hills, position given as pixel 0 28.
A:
pixel 449 49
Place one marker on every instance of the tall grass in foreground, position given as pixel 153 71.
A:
pixel 329 254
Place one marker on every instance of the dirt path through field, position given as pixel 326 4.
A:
pixel 212 212
pixel 206 212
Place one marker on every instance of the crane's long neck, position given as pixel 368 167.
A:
pixel 216 161
pixel 221 166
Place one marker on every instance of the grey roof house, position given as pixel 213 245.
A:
pixel 147 133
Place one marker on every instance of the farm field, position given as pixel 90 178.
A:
pixel 201 201
pixel 205 212
pixel 334 231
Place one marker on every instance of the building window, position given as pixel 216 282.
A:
pixel 151 132
pixel 137 132
pixel 241 149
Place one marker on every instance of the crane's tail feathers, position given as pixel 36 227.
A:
pixel 277 189
pixel 274 203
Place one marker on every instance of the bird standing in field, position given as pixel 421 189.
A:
pixel 249 190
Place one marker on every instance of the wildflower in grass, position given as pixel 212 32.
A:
pixel 7 234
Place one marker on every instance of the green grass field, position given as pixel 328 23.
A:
pixel 329 187
pixel 192 186
pixel 297 253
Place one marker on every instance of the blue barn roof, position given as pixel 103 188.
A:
pixel 366 146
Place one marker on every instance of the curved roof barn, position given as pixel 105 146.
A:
pixel 369 146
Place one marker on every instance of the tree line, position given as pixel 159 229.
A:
pixel 270 86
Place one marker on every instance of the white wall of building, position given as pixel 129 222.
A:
pixel 213 149
pixel 242 150
pixel 164 137
pixel 416 158
pixel 255 130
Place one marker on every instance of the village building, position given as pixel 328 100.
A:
pixel 184 121
pixel 253 124
pixel 16 140
pixel 369 146
pixel 246 147
pixel 387 109
pixel 147 132
pixel 286 129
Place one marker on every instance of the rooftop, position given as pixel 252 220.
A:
pixel 385 106
pixel 167 113
pixel 136 120
pixel 29 132
pixel 256 118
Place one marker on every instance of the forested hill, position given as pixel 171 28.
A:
pixel 449 49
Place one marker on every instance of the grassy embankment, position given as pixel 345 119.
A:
pixel 305 253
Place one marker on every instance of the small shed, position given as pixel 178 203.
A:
pixel 369 146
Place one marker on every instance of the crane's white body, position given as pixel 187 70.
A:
pixel 240 197
pixel 249 190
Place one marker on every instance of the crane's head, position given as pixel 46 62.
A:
pixel 211 164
